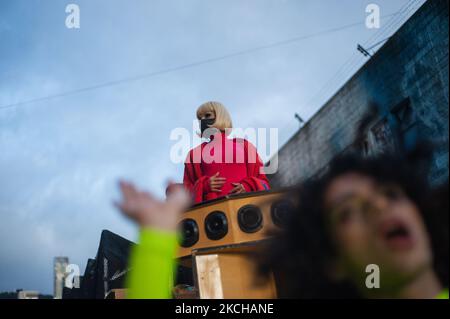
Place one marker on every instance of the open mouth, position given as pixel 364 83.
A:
pixel 396 234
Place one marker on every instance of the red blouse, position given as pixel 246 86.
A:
pixel 235 159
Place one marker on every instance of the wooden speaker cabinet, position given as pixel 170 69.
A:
pixel 232 220
pixel 220 237
pixel 229 272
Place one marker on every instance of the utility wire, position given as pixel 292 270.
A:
pixel 342 74
pixel 356 59
pixel 181 67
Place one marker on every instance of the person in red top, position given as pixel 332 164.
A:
pixel 221 166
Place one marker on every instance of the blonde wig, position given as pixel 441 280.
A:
pixel 223 119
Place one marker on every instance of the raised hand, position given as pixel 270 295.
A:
pixel 147 211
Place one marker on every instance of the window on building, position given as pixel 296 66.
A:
pixel 382 137
pixel 404 115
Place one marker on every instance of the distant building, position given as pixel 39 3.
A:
pixel 27 294
pixel 59 268
pixel 407 78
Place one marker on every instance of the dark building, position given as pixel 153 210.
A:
pixel 407 79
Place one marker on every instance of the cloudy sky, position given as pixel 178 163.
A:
pixel 60 158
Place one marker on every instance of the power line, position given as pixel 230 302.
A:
pixel 181 67
pixel 378 43
pixel 355 59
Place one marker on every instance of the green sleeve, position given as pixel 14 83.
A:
pixel 152 263
pixel 443 294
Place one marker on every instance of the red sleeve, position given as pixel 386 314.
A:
pixel 193 180
pixel 256 180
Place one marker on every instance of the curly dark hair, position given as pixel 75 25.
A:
pixel 300 255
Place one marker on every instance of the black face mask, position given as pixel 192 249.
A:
pixel 205 124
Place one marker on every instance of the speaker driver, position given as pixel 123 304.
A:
pixel 189 232
pixel 281 211
pixel 250 218
pixel 216 225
